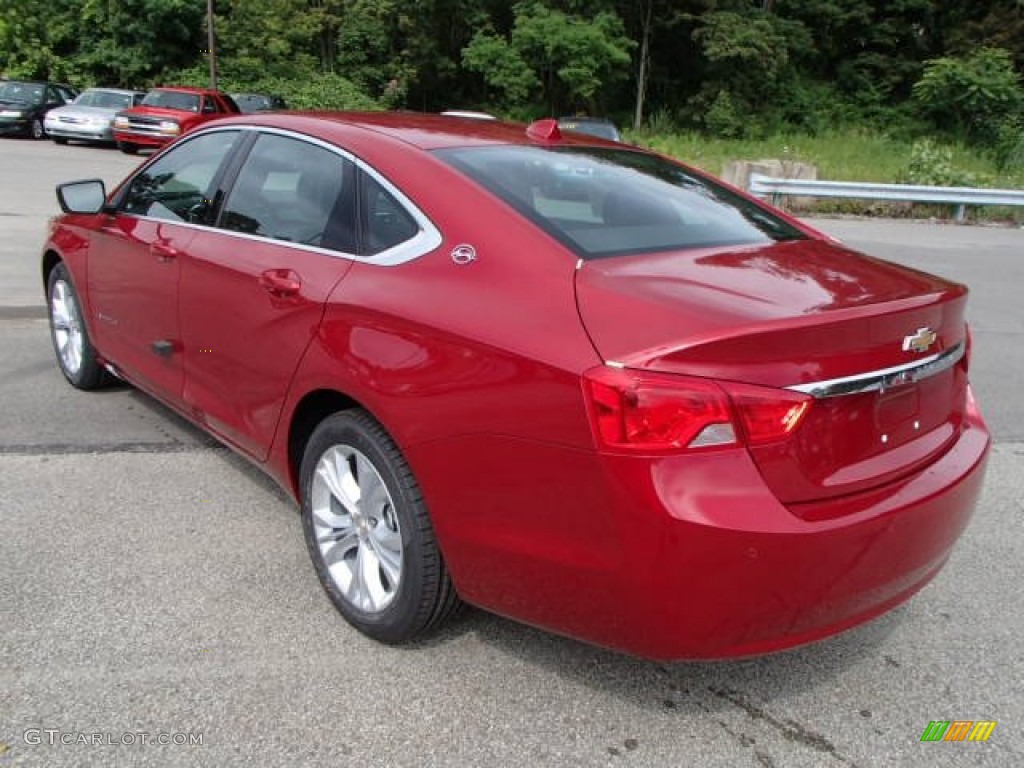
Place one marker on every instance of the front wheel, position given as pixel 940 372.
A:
pixel 59 140
pixel 368 531
pixel 75 353
pixel 127 147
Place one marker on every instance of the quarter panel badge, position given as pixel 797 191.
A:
pixel 921 341
pixel 463 254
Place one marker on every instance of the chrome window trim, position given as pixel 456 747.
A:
pixel 428 238
pixel 880 380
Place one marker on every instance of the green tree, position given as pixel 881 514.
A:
pixel 38 39
pixel 572 57
pixel 972 96
pixel 267 38
pixel 138 42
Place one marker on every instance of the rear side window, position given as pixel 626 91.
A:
pixel 386 223
pixel 605 201
pixel 291 190
pixel 178 186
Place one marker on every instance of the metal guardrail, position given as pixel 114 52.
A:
pixel 959 196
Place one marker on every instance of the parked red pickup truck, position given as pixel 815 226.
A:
pixel 166 113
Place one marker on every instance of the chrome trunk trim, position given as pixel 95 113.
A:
pixel 881 380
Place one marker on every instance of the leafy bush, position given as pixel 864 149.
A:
pixel 971 96
pixel 932 165
pixel 324 90
pixel 723 119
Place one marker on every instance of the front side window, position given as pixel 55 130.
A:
pixel 605 202
pixel 178 186
pixel 292 190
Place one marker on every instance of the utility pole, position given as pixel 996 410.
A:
pixel 211 44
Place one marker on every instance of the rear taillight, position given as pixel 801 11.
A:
pixel 653 412
pixel 767 414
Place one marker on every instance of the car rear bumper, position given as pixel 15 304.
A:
pixel 743 576
pixel 690 557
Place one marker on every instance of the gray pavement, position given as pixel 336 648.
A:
pixel 154 583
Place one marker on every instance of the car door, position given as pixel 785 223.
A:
pixel 253 290
pixel 135 261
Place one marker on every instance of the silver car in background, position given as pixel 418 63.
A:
pixel 91 116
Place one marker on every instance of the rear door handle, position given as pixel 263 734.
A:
pixel 163 251
pixel 281 282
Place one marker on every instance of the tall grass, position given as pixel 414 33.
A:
pixel 842 156
pixel 853 155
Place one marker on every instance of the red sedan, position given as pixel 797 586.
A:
pixel 562 379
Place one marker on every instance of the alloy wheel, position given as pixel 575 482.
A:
pixel 67 326
pixel 356 529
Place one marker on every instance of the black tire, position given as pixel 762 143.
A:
pixel 75 353
pixel 36 130
pixel 59 140
pixel 423 595
pixel 128 148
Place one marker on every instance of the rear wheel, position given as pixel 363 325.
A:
pixel 75 353
pixel 127 147
pixel 36 129
pixel 368 531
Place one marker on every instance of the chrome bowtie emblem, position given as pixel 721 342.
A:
pixel 920 341
pixel 464 254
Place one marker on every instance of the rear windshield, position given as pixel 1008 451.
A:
pixel 607 202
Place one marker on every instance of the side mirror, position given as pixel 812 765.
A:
pixel 88 196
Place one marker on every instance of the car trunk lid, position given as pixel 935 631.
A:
pixel 878 347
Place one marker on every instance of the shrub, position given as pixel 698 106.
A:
pixel 932 165
pixel 971 96
pixel 723 119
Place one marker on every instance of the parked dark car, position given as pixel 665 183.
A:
pixel 568 381
pixel 259 102
pixel 592 126
pixel 24 104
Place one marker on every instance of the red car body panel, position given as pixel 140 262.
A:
pixel 475 371
pixel 246 351
pixel 675 558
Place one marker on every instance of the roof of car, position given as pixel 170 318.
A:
pixel 426 131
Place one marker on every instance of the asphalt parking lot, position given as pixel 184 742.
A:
pixel 156 588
